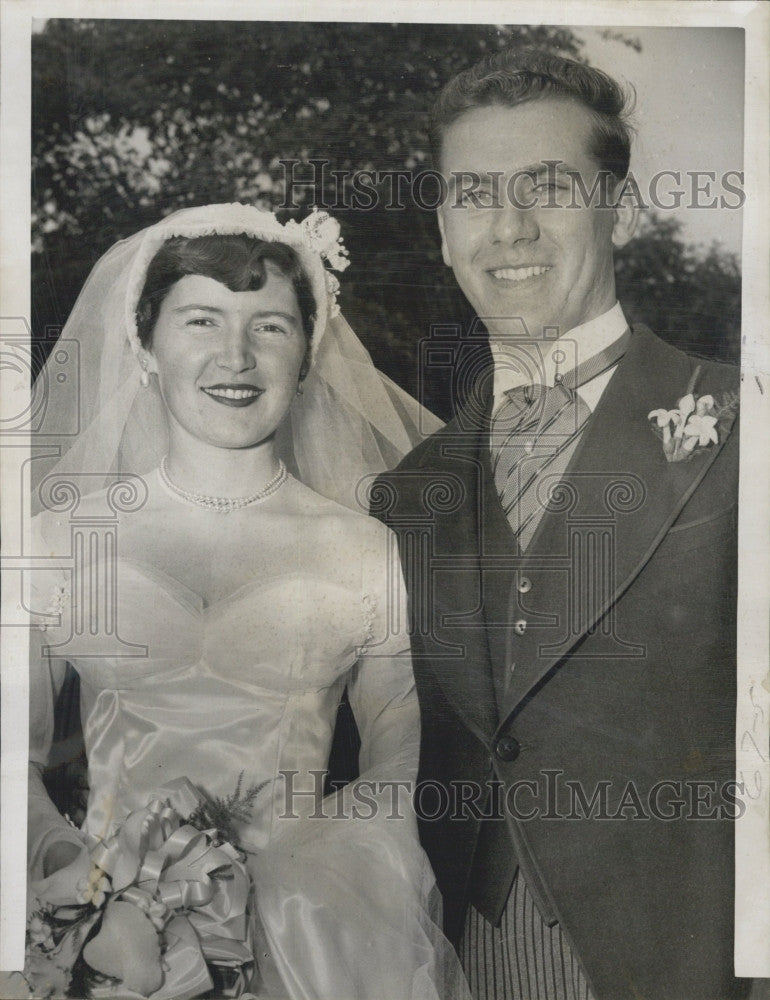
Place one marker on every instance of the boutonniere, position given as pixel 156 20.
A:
pixel 695 424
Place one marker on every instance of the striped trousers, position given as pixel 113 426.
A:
pixel 523 958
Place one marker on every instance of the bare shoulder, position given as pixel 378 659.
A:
pixel 51 529
pixel 122 504
pixel 348 529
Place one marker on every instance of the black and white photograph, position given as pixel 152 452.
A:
pixel 385 501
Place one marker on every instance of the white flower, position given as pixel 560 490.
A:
pixel 322 229
pixel 700 430
pixel 663 417
pixel 92 889
pixel 56 605
pixel 686 405
pixel 322 235
pixel 40 932
pixel 333 288
pixel 704 405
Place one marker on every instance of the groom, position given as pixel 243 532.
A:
pixel 572 571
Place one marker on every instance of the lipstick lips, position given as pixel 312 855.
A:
pixel 235 394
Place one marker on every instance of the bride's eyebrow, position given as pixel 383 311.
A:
pixel 258 314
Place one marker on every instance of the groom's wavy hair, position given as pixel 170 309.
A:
pixel 239 262
pixel 513 77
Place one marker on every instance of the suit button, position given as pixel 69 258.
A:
pixel 520 627
pixel 507 748
pixel 524 585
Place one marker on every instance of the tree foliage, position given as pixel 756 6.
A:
pixel 691 295
pixel 133 119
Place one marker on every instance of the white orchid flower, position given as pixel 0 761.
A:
pixel 663 417
pixel 685 408
pixel 700 430
pixel 704 406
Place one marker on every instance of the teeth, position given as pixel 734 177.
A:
pixel 233 393
pixel 520 273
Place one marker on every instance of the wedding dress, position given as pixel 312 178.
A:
pixel 249 683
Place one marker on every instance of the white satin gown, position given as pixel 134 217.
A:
pixel 251 683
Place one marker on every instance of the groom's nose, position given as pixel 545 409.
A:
pixel 510 223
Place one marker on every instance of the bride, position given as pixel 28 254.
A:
pixel 201 566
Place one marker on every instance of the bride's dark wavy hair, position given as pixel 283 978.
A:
pixel 239 262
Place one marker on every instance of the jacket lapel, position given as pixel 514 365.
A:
pixel 466 540
pixel 621 497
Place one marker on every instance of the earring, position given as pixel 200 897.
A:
pixel 303 370
pixel 144 378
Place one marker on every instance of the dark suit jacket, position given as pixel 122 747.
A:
pixel 605 657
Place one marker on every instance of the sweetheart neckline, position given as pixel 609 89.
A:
pixel 195 602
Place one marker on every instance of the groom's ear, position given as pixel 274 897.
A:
pixel 444 247
pixel 625 217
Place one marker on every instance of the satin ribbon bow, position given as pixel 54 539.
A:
pixel 194 892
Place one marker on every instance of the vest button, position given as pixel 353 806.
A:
pixel 507 749
pixel 520 627
pixel 524 585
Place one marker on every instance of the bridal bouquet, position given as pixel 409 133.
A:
pixel 159 909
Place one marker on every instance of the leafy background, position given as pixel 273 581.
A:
pixel 133 119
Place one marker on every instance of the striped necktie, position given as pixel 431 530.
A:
pixel 535 431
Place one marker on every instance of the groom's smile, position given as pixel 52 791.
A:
pixel 519 273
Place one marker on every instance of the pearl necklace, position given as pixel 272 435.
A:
pixel 223 505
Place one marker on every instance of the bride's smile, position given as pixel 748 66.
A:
pixel 235 394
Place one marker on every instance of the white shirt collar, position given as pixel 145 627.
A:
pixel 522 362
